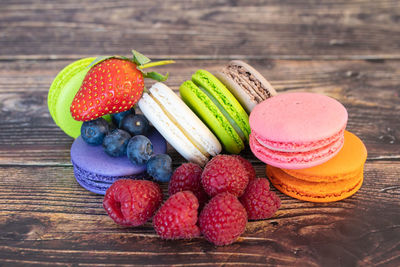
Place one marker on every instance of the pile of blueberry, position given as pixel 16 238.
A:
pixel 126 136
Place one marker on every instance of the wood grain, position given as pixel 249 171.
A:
pixel 347 49
pixel 49 218
pixel 201 29
pixel 29 136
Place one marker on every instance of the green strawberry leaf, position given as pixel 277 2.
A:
pixel 102 58
pixel 156 76
pixel 154 64
pixel 139 58
pixel 98 60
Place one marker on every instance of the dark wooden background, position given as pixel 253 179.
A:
pixel 347 49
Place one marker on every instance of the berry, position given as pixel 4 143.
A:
pixel 259 202
pixel 115 143
pixel 188 177
pixel 224 173
pixel 134 124
pixel 93 132
pixel 132 202
pixel 112 127
pixel 113 84
pixel 223 219
pixel 117 117
pixel 177 217
pixel 139 149
pixel 160 167
pixel 251 172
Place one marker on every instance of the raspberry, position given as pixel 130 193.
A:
pixel 260 203
pixel 188 177
pixel 132 202
pixel 251 172
pixel 224 173
pixel 177 218
pixel 223 219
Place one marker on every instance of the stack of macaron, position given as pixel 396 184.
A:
pixel 309 154
pixel 223 103
pixel 210 115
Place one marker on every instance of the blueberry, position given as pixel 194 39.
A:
pixel 134 124
pixel 117 117
pixel 139 149
pixel 93 132
pixel 160 167
pixel 112 126
pixel 115 143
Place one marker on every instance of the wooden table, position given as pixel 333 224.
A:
pixel 349 50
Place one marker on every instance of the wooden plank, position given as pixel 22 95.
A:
pixel 46 218
pixel 201 29
pixel 369 90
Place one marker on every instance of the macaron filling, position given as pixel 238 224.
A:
pixel 314 155
pixel 222 95
pixel 187 134
pixel 247 81
pixel 314 191
pixel 224 112
pixel 87 175
pixel 298 147
pixel 202 105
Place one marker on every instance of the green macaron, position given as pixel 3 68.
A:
pixel 218 108
pixel 62 92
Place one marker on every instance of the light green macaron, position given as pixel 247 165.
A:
pixel 62 92
pixel 217 108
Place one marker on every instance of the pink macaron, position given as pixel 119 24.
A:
pixel 297 130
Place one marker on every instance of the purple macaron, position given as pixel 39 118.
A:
pixel 96 171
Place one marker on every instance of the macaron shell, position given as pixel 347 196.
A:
pixel 99 183
pixel 171 132
pixel 188 122
pixel 295 160
pixel 202 105
pixel 99 188
pixel 347 163
pixel 242 96
pixel 93 159
pixel 61 79
pixel 289 120
pixel 257 75
pixel 314 191
pixel 62 92
pixel 218 90
pixel 250 97
pixel 63 116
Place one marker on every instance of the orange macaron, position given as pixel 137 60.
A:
pixel 334 180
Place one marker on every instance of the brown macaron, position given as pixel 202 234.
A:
pixel 245 83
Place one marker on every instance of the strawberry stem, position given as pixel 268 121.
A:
pixel 154 64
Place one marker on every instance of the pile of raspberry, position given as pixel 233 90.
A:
pixel 215 202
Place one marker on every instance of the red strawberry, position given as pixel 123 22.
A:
pixel 112 85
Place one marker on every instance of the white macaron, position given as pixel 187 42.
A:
pixel 178 124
